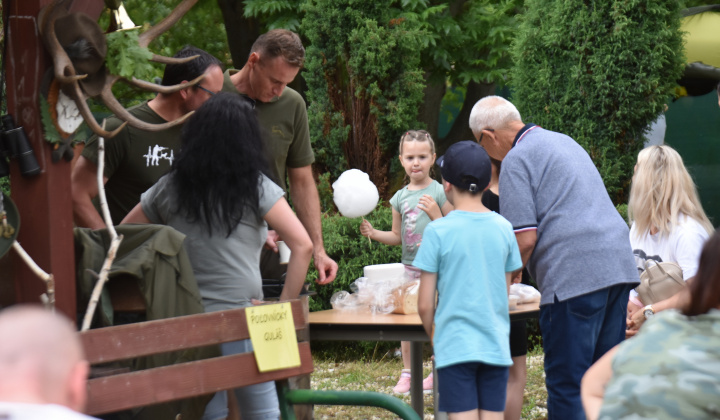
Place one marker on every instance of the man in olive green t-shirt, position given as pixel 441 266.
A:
pixel 275 59
pixel 135 159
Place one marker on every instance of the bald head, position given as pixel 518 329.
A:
pixel 41 358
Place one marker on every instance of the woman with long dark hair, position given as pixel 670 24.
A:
pixel 218 195
pixel 671 369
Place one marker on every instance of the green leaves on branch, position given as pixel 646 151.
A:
pixel 365 84
pixel 466 41
pixel 458 41
pixel 275 13
pixel 126 58
pixel 52 135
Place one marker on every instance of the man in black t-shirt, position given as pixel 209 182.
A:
pixel 135 159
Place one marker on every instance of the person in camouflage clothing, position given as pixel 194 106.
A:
pixel 671 369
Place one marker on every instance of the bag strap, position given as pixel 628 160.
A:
pixel 647 268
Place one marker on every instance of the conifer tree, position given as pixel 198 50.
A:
pixel 599 71
pixel 365 84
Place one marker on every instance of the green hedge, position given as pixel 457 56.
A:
pixel 352 252
pixel 600 72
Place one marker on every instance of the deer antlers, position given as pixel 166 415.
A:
pixel 95 81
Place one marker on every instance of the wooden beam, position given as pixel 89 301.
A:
pixel 169 383
pixel 43 200
pixel 121 391
pixel 165 335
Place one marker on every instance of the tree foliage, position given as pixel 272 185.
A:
pixel 364 84
pixel 201 26
pixel 461 42
pixel 126 58
pixel 285 14
pixel 467 47
pixel 599 71
pixel 465 41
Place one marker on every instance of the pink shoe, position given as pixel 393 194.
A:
pixel 403 385
pixel 428 384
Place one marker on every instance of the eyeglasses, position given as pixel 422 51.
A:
pixel 481 134
pixel 206 90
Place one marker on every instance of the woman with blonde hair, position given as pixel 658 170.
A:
pixel 668 223
pixel 671 370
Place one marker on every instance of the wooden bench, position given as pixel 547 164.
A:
pixel 121 391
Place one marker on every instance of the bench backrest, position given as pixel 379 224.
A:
pixel 158 385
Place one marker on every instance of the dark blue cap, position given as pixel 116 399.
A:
pixel 466 165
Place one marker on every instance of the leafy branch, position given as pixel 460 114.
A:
pixel 126 58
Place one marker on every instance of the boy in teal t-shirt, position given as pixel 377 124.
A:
pixel 468 257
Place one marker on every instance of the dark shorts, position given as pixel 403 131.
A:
pixel 518 338
pixel 471 386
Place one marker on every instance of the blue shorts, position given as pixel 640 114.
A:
pixel 471 386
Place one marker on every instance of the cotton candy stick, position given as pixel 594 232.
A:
pixel 355 195
pixel 369 240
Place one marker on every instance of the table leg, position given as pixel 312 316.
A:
pixel 439 415
pixel 416 372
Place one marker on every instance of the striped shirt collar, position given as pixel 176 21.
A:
pixel 519 136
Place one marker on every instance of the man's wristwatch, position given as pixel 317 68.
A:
pixel 648 311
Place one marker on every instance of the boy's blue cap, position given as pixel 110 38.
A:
pixel 466 165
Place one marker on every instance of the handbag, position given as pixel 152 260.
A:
pixel 659 282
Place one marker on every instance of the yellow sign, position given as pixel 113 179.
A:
pixel 272 333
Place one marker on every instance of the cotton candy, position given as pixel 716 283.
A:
pixel 354 194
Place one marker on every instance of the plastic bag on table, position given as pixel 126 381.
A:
pixel 344 301
pixel 377 296
pixel 405 298
pixel 525 293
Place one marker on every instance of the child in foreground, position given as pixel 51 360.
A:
pixel 413 207
pixel 468 257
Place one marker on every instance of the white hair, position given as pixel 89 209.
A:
pixel 492 112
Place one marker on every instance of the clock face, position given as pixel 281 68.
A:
pixel 68 115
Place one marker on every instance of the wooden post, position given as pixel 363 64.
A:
pixel 44 200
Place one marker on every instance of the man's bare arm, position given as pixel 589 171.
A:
pixel 526 242
pixel 83 189
pixel 307 205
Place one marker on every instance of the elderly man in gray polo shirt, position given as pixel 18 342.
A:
pixel 573 241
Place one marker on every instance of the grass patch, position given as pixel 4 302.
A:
pixel 380 374
pixel 535 400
